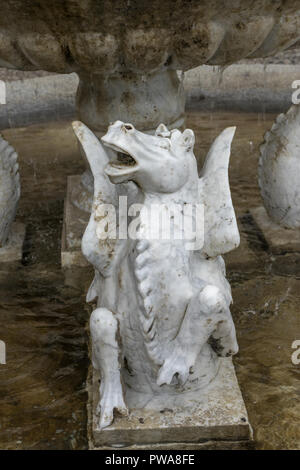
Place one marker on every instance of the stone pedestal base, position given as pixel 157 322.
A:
pixel 213 418
pixel 13 250
pixel 279 239
pixel 74 224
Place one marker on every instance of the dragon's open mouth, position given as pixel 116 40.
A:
pixel 122 163
pixel 123 160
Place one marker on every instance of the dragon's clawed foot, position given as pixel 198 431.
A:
pixel 111 401
pixel 177 363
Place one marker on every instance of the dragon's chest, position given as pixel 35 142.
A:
pixel 160 269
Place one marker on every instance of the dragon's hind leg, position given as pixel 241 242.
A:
pixel 106 353
pixel 207 318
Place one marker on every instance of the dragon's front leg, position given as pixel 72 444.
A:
pixel 207 316
pixel 106 353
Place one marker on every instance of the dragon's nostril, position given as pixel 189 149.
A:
pixel 128 127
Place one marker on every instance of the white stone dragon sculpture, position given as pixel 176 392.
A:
pixel 279 169
pixel 163 315
pixel 9 189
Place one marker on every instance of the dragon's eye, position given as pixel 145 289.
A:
pixel 165 144
pixel 128 127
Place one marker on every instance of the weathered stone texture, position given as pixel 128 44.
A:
pixel 108 36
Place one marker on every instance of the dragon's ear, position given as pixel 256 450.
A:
pixel 162 131
pixel 188 139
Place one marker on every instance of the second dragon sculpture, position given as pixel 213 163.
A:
pixel 279 169
pixel 163 315
pixel 9 189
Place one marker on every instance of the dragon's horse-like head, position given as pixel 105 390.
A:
pixel 157 163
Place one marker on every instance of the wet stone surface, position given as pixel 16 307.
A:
pixel 42 385
pixel 43 319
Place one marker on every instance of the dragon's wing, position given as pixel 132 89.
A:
pixel 9 188
pixel 97 157
pixel 99 249
pixel 102 251
pixel 221 232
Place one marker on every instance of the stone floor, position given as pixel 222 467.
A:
pixel 43 312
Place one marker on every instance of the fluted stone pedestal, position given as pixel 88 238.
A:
pixel 13 249
pixel 279 239
pixel 74 224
